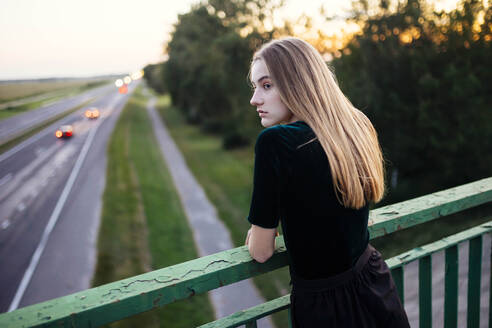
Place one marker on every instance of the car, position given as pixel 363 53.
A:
pixel 92 113
pixel 65 131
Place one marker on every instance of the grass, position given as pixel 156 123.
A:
pixel 17 140
pixel 227 179
pixel 16 110
pixel 143 226
pixel 18 90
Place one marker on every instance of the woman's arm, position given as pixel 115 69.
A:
pixel 261 242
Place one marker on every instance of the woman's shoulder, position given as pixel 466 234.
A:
pixel 269 134
pixel 288 135
pixel 284 131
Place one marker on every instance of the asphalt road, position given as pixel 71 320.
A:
pixel 50 201
pixel 21 123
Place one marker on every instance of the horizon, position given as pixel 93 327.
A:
pixel 88 77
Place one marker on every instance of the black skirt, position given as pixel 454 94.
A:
pixel 364 296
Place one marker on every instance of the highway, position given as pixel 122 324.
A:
pixel 50 202
pixel 21 123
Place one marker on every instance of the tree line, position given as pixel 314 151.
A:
pixel 422 76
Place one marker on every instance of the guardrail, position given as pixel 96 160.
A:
pixel 115 301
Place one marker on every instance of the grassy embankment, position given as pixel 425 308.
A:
pixel 143 226
pixel 16 98
pixel 10 91
pixel 227 179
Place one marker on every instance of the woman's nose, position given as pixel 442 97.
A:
pixel 256 100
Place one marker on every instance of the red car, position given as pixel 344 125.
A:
pixel 65 131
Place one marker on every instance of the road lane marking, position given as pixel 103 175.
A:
pixel 52 221
pixel 21 207
pixel 18 179
pixel 5 224
pixel 26 143
pixel 6 178
pixel 39 151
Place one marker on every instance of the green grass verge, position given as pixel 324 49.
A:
pixel 227 178
pixel 17 140
pixel 143 226
pixel 30 89
pixel 16 110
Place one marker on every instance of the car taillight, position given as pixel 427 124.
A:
pixel 58 134
pixel 69 133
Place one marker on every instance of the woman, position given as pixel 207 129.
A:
pixel 318 165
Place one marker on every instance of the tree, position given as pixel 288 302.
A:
pixel 422 78
pixel 153 75
pixel 209 58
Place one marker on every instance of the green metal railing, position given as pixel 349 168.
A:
pixel 128 297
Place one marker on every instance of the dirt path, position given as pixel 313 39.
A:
pixel 210 234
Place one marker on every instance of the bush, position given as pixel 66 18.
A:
pixel 234 140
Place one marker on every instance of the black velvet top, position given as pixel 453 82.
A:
pixel 293 185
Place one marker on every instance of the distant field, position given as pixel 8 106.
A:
pixel 15 90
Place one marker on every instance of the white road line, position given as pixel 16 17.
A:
pixel 34 193
pixel 52 221
pixel 24 144
pixel 39 151
pixel 5 224
pixel 6 178
pixel 21 207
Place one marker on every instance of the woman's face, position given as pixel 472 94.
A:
pixel 266 97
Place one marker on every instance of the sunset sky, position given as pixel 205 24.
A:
pixel 59 38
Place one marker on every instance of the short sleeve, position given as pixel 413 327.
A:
pixel 264 210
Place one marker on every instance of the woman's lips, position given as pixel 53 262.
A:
pixel 261 113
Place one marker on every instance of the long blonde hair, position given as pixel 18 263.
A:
pixel 309 90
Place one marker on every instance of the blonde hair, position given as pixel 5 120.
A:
pixel 310 91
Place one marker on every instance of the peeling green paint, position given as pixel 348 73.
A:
pixel 388 219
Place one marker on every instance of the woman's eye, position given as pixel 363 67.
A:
pixel 267 86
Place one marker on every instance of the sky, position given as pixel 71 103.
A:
pixel 69 38
pixel 65 38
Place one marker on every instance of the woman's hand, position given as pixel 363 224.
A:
pixel 247 237
pixel 261 242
